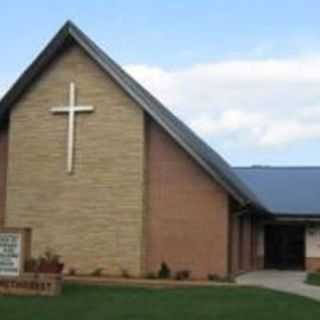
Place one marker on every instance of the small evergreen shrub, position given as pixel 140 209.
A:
pixel 125 274
pixel 72 272
pixel 97 272
pixel 164 272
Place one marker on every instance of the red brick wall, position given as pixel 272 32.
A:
pixel 235 247
pixel 312 264
pixel 3 173
pixel 243 248
pixel 187 212
pixel 247 244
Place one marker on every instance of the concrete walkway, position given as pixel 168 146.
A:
pixel 286 281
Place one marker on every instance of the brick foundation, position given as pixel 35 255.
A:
pixel 312 264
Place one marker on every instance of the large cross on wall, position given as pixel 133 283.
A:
pixel 71 110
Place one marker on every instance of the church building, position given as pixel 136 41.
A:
pixel 107 177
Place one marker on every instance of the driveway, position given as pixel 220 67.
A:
pixel 286 281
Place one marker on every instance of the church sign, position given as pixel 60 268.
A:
pixel 10 254
pixel 15 249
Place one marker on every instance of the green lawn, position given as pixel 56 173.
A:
pixel 114 303
pixel 313 278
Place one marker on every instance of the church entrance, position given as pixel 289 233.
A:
pixel 284 246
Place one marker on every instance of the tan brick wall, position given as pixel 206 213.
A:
pixel 93 218
pixel 187 223
pixel 3 172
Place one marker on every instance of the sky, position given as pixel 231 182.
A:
pixel 244 75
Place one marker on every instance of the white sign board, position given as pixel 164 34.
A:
pixel 10 254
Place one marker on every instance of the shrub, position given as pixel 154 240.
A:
pixel 50 263
pixel 183 275
pixel 151 275
pixel 313 278
pixel 125 274
pixel 215 277
pixel 97 272
pixel 164 272
pixel 50 257
pixel 72 272
pixel 47 263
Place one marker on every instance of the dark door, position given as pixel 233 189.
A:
pixel 284 246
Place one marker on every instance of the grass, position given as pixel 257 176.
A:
pixel 313 278
pixel 97 302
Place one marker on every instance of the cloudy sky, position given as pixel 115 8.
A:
pixel 245 75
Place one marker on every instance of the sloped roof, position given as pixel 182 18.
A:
pixel 215 165
pixel 285 190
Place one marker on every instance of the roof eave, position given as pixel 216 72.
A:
pixel 296 215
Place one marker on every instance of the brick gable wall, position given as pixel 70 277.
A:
pixel 188 215
pixel 94 218
pixel 243 241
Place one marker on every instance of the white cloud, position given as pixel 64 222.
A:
pixel 2 91
pixel 266 103
pixel 4 84
pixel 230 120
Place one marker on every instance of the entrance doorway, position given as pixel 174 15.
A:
pixel 284 246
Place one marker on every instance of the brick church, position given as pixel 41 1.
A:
pixel 108 178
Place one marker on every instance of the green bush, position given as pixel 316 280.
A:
pixel 164 272
pixel 97 272
pixel 313 278
pixel 125 274
pixel 72 272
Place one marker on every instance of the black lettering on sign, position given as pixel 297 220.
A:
pixel 10 250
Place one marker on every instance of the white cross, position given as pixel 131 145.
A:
pixel 71 110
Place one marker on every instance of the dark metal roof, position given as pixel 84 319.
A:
pixel 200 151
pixel 287 191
